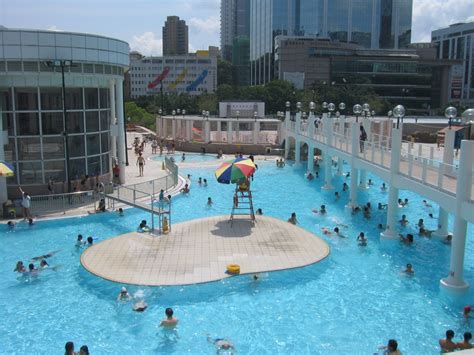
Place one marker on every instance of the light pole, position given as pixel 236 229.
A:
pixel 366 110
pixel 237 114
pixel 331 108
pixel 450 113
pixel 399 113
pixel 342 107
pixel 357 109
pixel 183 111
pixel 64 64
pixel 255 114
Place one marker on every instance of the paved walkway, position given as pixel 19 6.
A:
pixel 198 251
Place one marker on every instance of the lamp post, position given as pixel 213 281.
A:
pixel 450 113
pixel 255 114
pixel 183 111
pixel 237 114
pixel 298 106
pixel 399 113
pixel 64 64
pixel 357 109
pixel 331 108
pixel 312 106
pixel 366 110
pixel 342 107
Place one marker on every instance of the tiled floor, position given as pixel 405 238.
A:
pixel 199 251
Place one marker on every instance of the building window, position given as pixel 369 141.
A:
pixel 27 124
pixel 53 147
pixel 91 99
pixel 76 146
pixel 54 170
pixel 26 99
pixel 30 173
pixel 52 122
pixel 92 121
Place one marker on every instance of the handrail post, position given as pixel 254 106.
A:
pixel 423 171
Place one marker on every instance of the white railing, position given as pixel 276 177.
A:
pixel 42 205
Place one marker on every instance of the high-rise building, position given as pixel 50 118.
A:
pixel 376 24
pixel 457 42
pixel 175 36
pixel 235 16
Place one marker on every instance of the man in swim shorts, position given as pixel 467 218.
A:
pixel 169 321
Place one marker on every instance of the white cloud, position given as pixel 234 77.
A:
pixel 209 25
pixel 147 44
pixel 54 28
pixel 429 15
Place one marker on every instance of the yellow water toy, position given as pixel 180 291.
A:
pixel 233 269
pixel 166 227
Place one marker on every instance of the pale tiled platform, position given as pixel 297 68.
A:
pixel 199 250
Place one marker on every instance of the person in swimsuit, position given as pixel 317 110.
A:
pixel 221 344
pixel 447 345
pixel 20 268
pixel 141 164
pixel 466 343
pixel 46 256
pixel 169 321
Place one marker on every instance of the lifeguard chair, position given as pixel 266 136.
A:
pixel 242 203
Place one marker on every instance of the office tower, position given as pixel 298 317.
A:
pixel 175 36
pixel 235 16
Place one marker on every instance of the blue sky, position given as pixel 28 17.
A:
pixel 139 22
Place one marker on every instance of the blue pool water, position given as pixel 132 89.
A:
pixel 189 157
pixel 352 302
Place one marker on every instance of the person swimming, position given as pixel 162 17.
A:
pixel 45 256
pixel 293 219
pixel 221 344
pixel 120 212
pixel 44 264
pixel 362 239
pixel 11 224
pixel 403 221
pixel 426 204
pixel 185 189
pixel 124 295
pixel 90 241
pixel 79 241
pixel 140 306
pixel 20 267
pixel 337 196
pixel 143 227
pixel 408 239
pixel 409 269
pixel 383 187
pixel 259 211
pixel 209 202
pixel 169 321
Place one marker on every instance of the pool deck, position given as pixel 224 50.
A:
pixel 198 251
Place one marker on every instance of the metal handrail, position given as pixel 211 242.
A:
pixel 62 203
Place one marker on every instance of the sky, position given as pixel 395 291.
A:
pixel 140 22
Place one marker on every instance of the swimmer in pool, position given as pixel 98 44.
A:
pixel 383 187
pixel 44 264
pixel 408 239
pixel 11 224
pixel 409 269
pixel 362 239
pixel 42 257
pixel 120 212
pixel 403 221
pixel 426 204
pixel 90 241
pixel 169 321
pixel 20 268
pixel 259 212
pixel 293 219
pixel 209 202
pixel 79 241
pixel 337 196
pixel 326 231
pixel 124 295
pixel 140 306
pixel 338 233
pixel 221 344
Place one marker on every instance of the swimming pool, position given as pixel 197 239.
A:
pixel 353 301
pixel 189 157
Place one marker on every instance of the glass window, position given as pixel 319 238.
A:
pixel 26 99
pixel 54 170
pixel 93 144
pixel 104 142
pixel 104 120
pixel 75 122
pixel 27 124
pixel 73 99
pixel 93 165
pixel 52 122
pixel 76 146
pixel 91 98
pixel 29 149
pixel 6 100
pixel 7 122
pixel 77 168
pixel 53 147
pixel 51 99
pixel 104 98
pixel 105 164
pixel 92 121
pixel 10 151
pixel 30 173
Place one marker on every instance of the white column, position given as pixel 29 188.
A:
pixel 448 151
pixel 207 131
pixel 229 132
pixel 455 280
pixel 442 230
pixel 113 117
pixel 340 162
pixel 173 128
pixel 287 146
pixel 327 171
pixel 363 179
pixel 189 130
pixel 256 130
pixel 310 157
pixel 121 148
pixel 354 172
pixel 297 151
pixel 3 141
pixel 298 122
pixel 218 133
pixel 392 205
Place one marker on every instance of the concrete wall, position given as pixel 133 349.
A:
pixel 226 148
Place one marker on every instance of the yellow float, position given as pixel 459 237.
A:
pixel 166 227
pixel 233 269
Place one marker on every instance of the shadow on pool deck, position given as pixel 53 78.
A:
pixel 237 229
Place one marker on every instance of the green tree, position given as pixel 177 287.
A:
pixel 139 115
pixel 224 73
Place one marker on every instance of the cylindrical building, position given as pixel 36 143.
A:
pixel 36 68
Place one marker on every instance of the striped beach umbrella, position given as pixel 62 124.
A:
pixel 235 171
pixel 6 169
